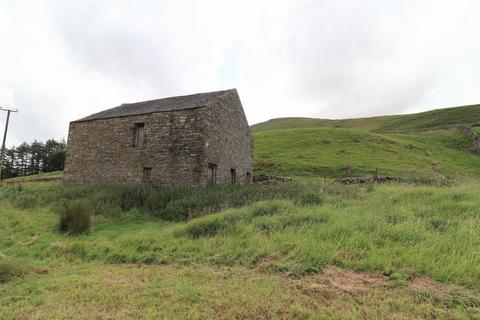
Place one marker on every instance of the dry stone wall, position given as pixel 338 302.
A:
pixel 472 134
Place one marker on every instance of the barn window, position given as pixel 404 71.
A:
pixel 147 174
pixel 212 174
pixel 248 177
pixel 138 135
pixel 233 176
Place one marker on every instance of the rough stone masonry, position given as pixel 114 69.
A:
pixel 193 140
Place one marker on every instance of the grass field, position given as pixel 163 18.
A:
pixel 294 250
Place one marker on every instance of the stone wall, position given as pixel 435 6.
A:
pixel 472 134
pixel 178 146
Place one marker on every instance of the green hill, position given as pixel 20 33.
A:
pixel 330 152
pixel 434 119
pixel 413 145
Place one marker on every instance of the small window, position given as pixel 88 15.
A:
pixel 233 176
pixel 147 174
pixel 248 177
pixel 212 174
pixel 138 135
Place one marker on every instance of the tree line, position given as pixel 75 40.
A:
pixel 34 158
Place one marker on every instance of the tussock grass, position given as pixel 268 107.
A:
pixel 211 225
pixel 11 269
pixel 75 217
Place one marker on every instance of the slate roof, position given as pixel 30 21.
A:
pixel 159 105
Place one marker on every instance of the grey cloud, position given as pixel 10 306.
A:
pixel 325 59
pixel 128 51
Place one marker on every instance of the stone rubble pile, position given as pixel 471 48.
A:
pixel 364 180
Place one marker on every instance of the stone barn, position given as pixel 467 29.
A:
pixel 195 140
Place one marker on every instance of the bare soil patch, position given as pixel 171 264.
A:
pixel 443 292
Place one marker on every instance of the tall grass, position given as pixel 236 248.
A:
pixel 174 204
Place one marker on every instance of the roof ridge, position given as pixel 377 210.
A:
pixel 220 92
pixel 166 104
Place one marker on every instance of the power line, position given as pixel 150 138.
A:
pixel 8 110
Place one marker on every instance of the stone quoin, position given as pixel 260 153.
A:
pixel 193 140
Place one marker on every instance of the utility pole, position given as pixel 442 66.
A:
pixel 5 138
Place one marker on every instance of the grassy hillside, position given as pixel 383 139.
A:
pixel 440 118
pixel 289 251
pixel 404 145
pixel 325 152
pixel 367 124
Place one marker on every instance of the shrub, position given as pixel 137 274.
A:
pixel 11 269
pixel 75 217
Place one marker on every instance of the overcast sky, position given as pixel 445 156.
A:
pixel 63 60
